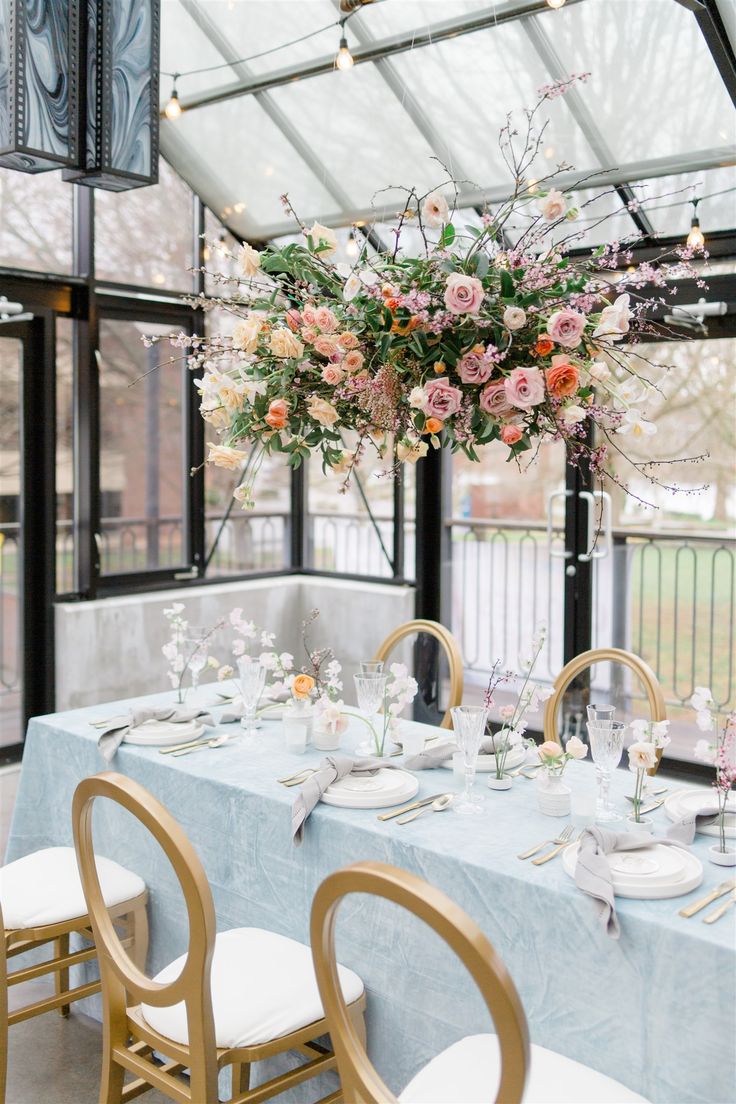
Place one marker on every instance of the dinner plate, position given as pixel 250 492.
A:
pixel 164 733
pixel 486 764
pixel 653 876
pixel 374 791
pixel 682 802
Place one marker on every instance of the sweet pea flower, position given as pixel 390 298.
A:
pixel 642 756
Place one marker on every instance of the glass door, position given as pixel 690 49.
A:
pixel 27 421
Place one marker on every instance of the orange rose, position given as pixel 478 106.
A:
pixel 278 413
pixel 562 378
pixel 432 425
pixel 302 686
pixel 545 345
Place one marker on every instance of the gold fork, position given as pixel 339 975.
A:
pixel 563 837
pixel 555 851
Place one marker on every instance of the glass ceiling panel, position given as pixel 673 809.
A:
pixel 676 104
pixel 667 201
pixel 253 163
pixel 602 219
pixel 361 133
pixel 467 86
pixel 184 46
pixel 386 19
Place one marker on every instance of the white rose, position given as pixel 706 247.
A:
pixel 245 333
pixel 573 414
pixel 323 235
pixel 417 398
pixel 514 318
pixel 250 260
pixel 576 748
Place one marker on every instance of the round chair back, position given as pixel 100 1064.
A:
pixel 360 1082
pixel 449 646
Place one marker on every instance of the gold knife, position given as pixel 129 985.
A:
pixel 719 912
pixel 696 906
pixel 179 747
pixel 651 808
pixel 408 808
pixel 551 854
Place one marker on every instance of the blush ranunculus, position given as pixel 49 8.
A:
pixel 472 368
pixel 463 294
pixel 562 378
pixel 552 206
pixel 525 388
pixel 493 401
pixel 442 399
pixel 510 434
pixel 566 327
pixel 278 414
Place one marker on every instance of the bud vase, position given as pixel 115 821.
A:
pixel 553 795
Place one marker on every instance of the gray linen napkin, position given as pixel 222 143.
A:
pixel 683 831
pixel 331 769
pixel 593 874
pixel 438 754
pixel 112 737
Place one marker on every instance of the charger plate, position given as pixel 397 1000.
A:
pixel 163 733
pixel 375 791
pixel 682 802
pixel 649 873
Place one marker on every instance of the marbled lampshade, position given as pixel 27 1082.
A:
pixel 39 84
pixel 120 147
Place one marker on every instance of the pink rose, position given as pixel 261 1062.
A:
pixel 309 315
pixel 525 388
pixel 332 374
pixel 325 319
pixel 308 333
pixel 566 327
pixel 442 399
pixel 510 434
pixel 472 368
pixel 326 345
pixel 493 401
pixel 463 294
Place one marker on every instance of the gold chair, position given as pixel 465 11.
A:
pixel 450 647
pixel 465 1072
pixel 41 903
pixel 655 697
pixel 234 998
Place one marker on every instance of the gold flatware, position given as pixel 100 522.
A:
pixel 651 808
pixel 213 742
pixel 296 774
pixel 563 837
pixel 522 770
pixel 721 910
pixel 652 793
pixel 408 808
pixel 437 806
pixel 703 902
pixel 172 748
pixel 553 853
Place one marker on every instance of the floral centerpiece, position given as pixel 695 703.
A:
pixel 515 717
pixel 256 643
pixel 720 753
pixel 473 341
pixel 642 758
pixel 554 758
pixel 187 649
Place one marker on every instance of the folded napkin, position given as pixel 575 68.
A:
pixel 438 754
pixel 593 874
pixel 112 737
pixel 331 769
pixel 683 831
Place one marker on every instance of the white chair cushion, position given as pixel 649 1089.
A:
pixel 263 987
pixel 468 1072
pixel 45 888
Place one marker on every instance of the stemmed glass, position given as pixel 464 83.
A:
pixel 252 682
pixel 371 666
pixel 601 715
pixel 371 692
pixel 195 646
pixel 469 722
pixel 606 746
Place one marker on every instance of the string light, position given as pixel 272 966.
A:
pixel 555 3
pixel 173 108
pixel 352 246
pixel 344 59
pixel 696 238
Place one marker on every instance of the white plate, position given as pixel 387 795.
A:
pixel 682 802
pixel 640 884
pixel 486 764
pixel 378 791
pixel 164 733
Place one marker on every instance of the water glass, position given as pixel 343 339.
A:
pixel 371 666
pixel 606 746
pixel 600 714
pixel 469 722
pixel 252 682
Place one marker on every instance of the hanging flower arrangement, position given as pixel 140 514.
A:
pixel 494 333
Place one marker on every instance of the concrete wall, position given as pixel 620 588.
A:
pixel 111 648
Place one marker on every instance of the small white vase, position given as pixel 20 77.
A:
pixel 553 795
pixel 645 825
pixel 722 858
pixel 499 783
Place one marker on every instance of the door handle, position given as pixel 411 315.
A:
pixel 556 553
pixel 593 553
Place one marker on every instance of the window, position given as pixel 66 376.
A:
pixel 35 222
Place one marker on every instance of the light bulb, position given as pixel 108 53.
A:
pixel 344 59
pixel 696 238
pixel 173 108
pixel 352 246
pixel 555 3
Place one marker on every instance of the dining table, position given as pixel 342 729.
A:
pixel 654 1009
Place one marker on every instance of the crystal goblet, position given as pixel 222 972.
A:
pixel 469 722
pixel 252 682
pixel 606 747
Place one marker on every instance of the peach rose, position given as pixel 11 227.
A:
pixel 353 361
pixel 245 334
pixel 332 374
pixel 550 749
pixel 278 414
pixel 432 425
pixel 510 434
pixel 222 456
pixel 463 294
pixel 348 341
pixel 322 411
pixel 309 315
pixel 325 319
pixel 285 344
pixel 562 378
pixel 302 687
pixel 308 333
pixel 326 345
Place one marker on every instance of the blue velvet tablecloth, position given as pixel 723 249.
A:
pixel 656 1010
